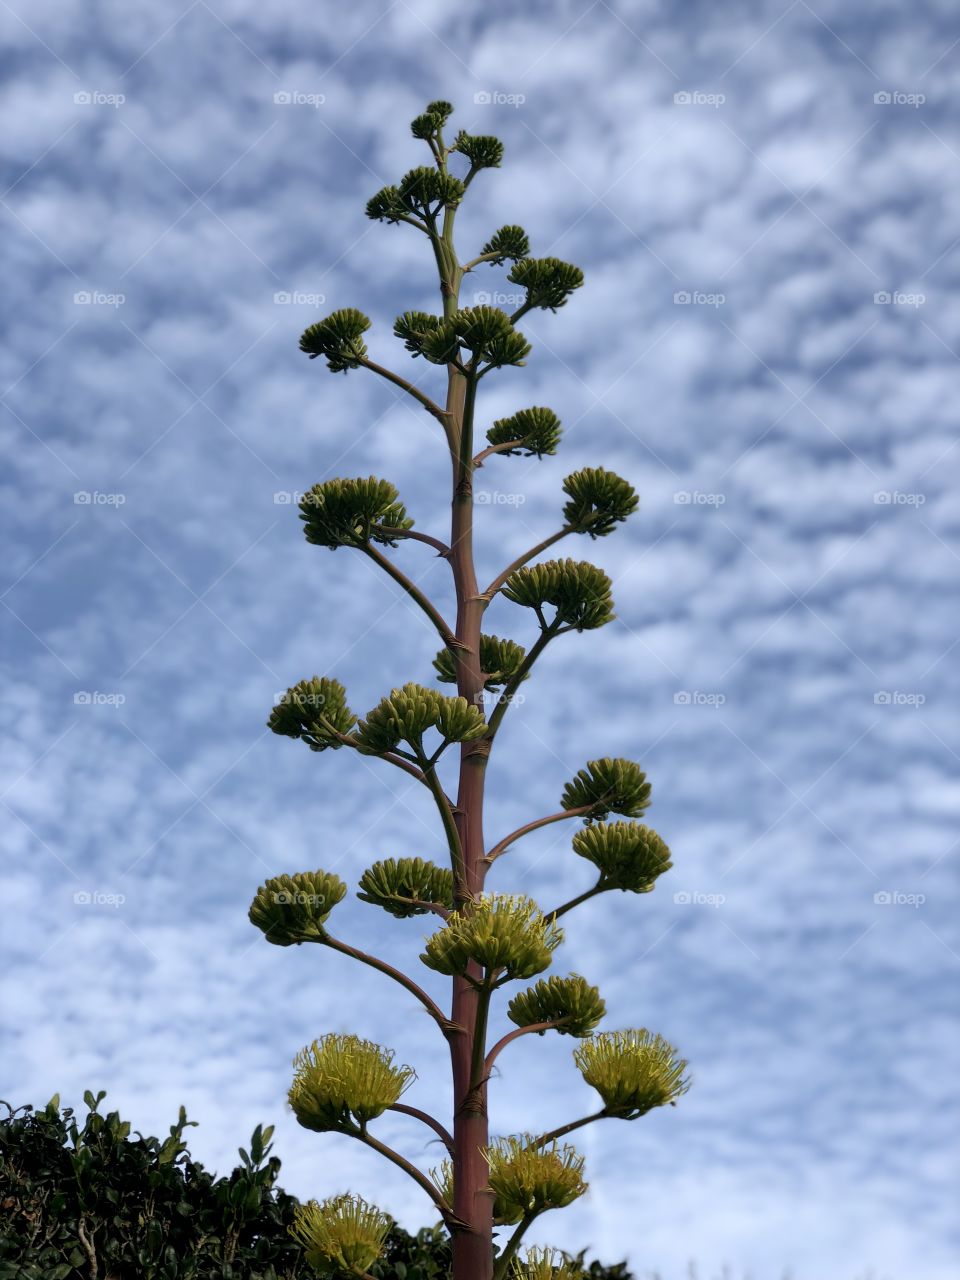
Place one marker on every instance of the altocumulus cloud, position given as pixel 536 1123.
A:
pixel 764 206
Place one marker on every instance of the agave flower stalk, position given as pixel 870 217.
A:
pixel 443 738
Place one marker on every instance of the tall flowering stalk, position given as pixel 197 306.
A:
pixel 484 940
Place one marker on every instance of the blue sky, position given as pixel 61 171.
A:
pixel 784 660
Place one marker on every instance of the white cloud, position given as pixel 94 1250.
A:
pixel 817 1134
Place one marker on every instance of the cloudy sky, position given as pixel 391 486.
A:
pixel 764 198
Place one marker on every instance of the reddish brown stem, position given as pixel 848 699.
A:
pixel 575 902
pixel 515 1035
pixel 564 1129
pixel 507 841
pixel 410 389
pixel 415 536
pixel 445 1137
pixel 520 561
pixel 418 1175
pixel 472 1237
pixel 411 588
pixel 434 1010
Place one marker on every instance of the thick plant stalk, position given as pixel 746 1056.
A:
pixel 487 940
pixel 472 1244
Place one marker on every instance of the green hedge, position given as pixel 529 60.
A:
pixel 87 1199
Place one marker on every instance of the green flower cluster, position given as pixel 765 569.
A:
pixel 340 1082
pixel 293 909
pixel 633 1071
pixel 608 786
pixel 500 660
pixel 504 934
pixel 579 592
pixel 316 711
pixel 628 855
pixel 341 1234
pixel 527 1179
pixel 349 513
pixel 571 1002
pixel 408 713
pixel 403 885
